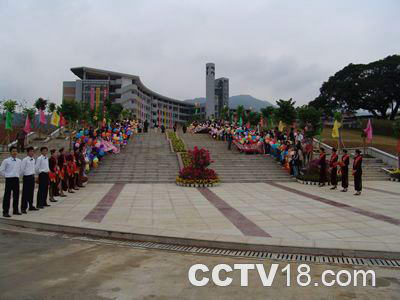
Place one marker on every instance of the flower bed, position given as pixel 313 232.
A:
pixel 311 173
pixel 195 172
pixel 186 159
pixel 177 143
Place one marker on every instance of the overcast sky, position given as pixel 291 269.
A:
pixel 268 49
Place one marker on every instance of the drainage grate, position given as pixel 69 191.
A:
pixel 377 262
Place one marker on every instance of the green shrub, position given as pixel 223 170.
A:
pixel 177 143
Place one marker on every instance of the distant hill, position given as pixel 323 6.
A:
pixel 246 100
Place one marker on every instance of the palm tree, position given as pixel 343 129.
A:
pixel 225 113
pixel 40 104
pixel 239 112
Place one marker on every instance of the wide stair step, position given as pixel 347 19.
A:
pixel 146 159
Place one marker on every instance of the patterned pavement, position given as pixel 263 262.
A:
pixel 284 214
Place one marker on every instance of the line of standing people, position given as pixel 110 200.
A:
pixel 54 175
pixel 343 166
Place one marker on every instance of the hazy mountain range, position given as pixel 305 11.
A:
pixel 246 100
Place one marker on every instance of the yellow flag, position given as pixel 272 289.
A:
pixel 281 126
pixel 335 129
pixel 55 119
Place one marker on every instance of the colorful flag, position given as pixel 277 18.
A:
pixel 240 121
pixel 248 125
pixel 9 119
pixel 55 119
pixel 368 131
pixel 42 117
pixel 63 122
pixel 335 129
pixel 92 98
pixel 27 127
pixel 281 126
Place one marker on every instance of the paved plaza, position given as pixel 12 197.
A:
pixel 277 214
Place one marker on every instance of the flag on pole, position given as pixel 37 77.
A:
pixel 335 129
pixel 248 125
pixel 97 98
pixel 42 117
pixel 281 126
pixel 27 127
pixel 240 121
pixel 62 120
pixel 368 131
pixel 9 118
pixel 55 119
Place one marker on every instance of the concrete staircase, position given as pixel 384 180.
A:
pixel 146 159
pixel 233 166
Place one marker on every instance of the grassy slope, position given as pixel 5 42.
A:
pixel 352 138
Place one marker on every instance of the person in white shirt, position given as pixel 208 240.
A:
pixel 42 169
pixel 11 169
pixel 28 179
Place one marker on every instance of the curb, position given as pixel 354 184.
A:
pixel 201 243
pixel 310 182
pixel 197 184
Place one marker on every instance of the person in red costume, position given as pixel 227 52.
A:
pixel 344 170
pixel 333 163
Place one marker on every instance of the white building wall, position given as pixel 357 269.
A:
pixel 210 90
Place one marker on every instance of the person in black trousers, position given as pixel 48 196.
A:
pixel 28 179
pixel 11 169
pixel 357 172
pixel 229 138
pixel 344 170
pixel 42 169
pixel 333 168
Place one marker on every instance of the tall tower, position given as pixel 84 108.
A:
pixel 210 90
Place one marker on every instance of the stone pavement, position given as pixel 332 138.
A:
pixel 275 214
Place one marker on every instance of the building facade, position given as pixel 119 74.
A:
pixel 94 86
pixel 217 93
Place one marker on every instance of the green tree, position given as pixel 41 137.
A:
pixel 310 120
pixel 286 112
pixel 268 115
pixel 126 113
pixel 115 111
pixel 40 104
pixel 239 112
pixel 70 110
pixel 225 113
pixel 374 87
pixel 51 107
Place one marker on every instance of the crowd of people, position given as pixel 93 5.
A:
pixel 65 171
pixel 291 148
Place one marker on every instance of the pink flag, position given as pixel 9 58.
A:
pixel 92 98
pixel 368 131
pixel 62 120
pixel 27 127
pixel 42 117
